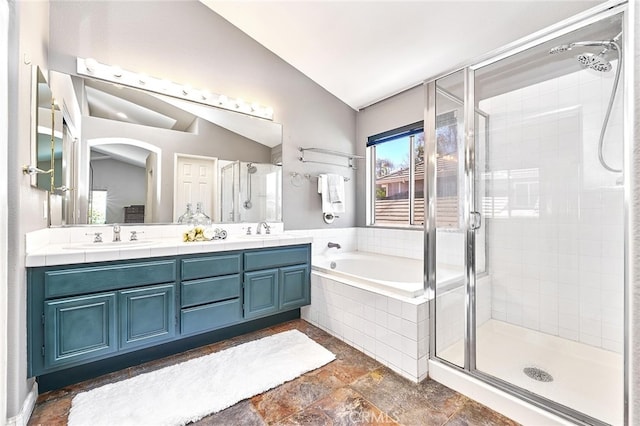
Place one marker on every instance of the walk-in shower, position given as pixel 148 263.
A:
pixel 599 62
pixel 530 143
pixel 250 192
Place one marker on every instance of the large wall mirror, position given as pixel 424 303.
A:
pixel 143 156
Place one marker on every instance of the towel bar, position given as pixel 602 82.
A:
pixel 309 177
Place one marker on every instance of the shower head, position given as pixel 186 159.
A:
pixel 251 169
pixel 595 62
pixel 606 44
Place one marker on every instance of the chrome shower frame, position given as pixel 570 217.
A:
pixel 581 20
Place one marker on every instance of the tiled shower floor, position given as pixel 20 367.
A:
pixel 353 389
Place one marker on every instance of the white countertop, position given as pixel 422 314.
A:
pixel 86 252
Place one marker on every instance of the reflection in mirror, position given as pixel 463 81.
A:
pixel 47 140
pixel 251 192
pixel 127 165
pixel 121 175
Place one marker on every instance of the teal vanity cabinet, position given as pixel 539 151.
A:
pixel 211 289
pixel 276 280
pixel 80 313
pixel 88 319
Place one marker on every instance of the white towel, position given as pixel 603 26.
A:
pixel 331 189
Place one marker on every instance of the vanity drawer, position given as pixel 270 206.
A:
pixel 265 259
pixel 211 266
pixel 209 317
pixel 65 282
pixel 199 292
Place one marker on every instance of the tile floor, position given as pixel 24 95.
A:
pixel 354 389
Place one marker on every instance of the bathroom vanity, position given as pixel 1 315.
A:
pixel 85 319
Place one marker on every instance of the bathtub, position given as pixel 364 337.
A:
pixel 400 276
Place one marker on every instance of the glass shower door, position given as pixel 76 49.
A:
pixel 528 275
pixel 450 281
pixel 553 219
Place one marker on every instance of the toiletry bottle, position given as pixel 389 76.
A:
pixel 201 219
pixel 188 217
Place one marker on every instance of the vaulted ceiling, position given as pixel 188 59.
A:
pixel 365 51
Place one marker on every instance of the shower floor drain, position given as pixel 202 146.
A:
pixel 538 374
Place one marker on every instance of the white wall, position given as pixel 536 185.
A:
pixel 187 43
pixel 28 41
pixel 4 114
pixel 558 266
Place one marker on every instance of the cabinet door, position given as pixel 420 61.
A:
pixel 79 328
pixel 147 315
pixel 294 287
pixel 260 293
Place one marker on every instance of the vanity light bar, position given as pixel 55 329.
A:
pixel 113 73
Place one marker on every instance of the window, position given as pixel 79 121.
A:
pixel 98 207
pixel 396 175
pixel 447 163
pixel 396 170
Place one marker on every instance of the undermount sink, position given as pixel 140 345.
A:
pixel 258 236
pixel 109 245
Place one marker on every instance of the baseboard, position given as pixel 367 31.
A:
pixel 22 418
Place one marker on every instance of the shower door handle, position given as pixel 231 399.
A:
pixel 475 221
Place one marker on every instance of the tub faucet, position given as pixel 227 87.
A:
pixel 116 232
pixel 333 245
pixel 266 227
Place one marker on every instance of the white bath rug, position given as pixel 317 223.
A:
pixel 188 391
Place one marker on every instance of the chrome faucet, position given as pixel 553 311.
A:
pixel 266 227
pixel 333 245
pixel 116 232
pixel 97 236
pixel 134 235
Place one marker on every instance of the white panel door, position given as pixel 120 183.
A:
pixel 195 182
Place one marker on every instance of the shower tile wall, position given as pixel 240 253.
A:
pixel 346 237
pixel 556 260
pixel 410 243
